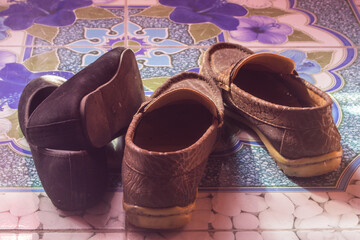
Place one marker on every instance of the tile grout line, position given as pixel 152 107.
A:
pixel 146 231
pixel 189 46
pixel 126 16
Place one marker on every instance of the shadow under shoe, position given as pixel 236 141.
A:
pixel 166 149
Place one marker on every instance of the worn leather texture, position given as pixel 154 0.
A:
pixel 57 123
pixel 161 179
pixel 220 59
pixel 294 131
pixel 73 180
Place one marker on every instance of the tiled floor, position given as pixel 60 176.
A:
pixel 243 194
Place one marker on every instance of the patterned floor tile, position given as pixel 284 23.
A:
pixel 243 194
pixel 319 66
pixel 217 215
pixel 335 16
pixel 87 25
pixel 270 23
pixel 160 30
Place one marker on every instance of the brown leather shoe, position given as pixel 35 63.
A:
pixel 291 116
pixel 166 150
pixel 69 123
pixel 73 179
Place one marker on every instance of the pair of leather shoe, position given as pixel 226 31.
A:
pixel 68 123
pixel 171 135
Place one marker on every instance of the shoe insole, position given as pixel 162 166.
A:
pixel 269 87
pixel 40 97
pixel 172 127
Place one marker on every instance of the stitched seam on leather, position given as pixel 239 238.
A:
pixel 264 121
pixel 214 91
pixel 276 125
pixel 50 124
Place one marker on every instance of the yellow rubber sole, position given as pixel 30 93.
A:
pixel 158 218
pixel 302 167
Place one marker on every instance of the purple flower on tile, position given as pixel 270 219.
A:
pixel 3 28
pixel 217 12
pixel 22 15
pixel 14 77
pixel 6 57
pixel 262 28
pixel 303 66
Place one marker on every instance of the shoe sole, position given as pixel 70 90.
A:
pixel 103 113
pixel 158 218
pixel 302 167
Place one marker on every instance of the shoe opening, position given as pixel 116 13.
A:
pixel 271 77
pixel 39 97
pixel 277 89
pixel 175 121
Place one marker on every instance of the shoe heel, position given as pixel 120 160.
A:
pixel 105 115
pixel 158 218
pixel 95 119
pixel 107 111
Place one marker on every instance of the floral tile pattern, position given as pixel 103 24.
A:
pixel 243 194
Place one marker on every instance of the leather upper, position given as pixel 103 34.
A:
pixel 73 180
pixel 57 120
pixel 161 179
